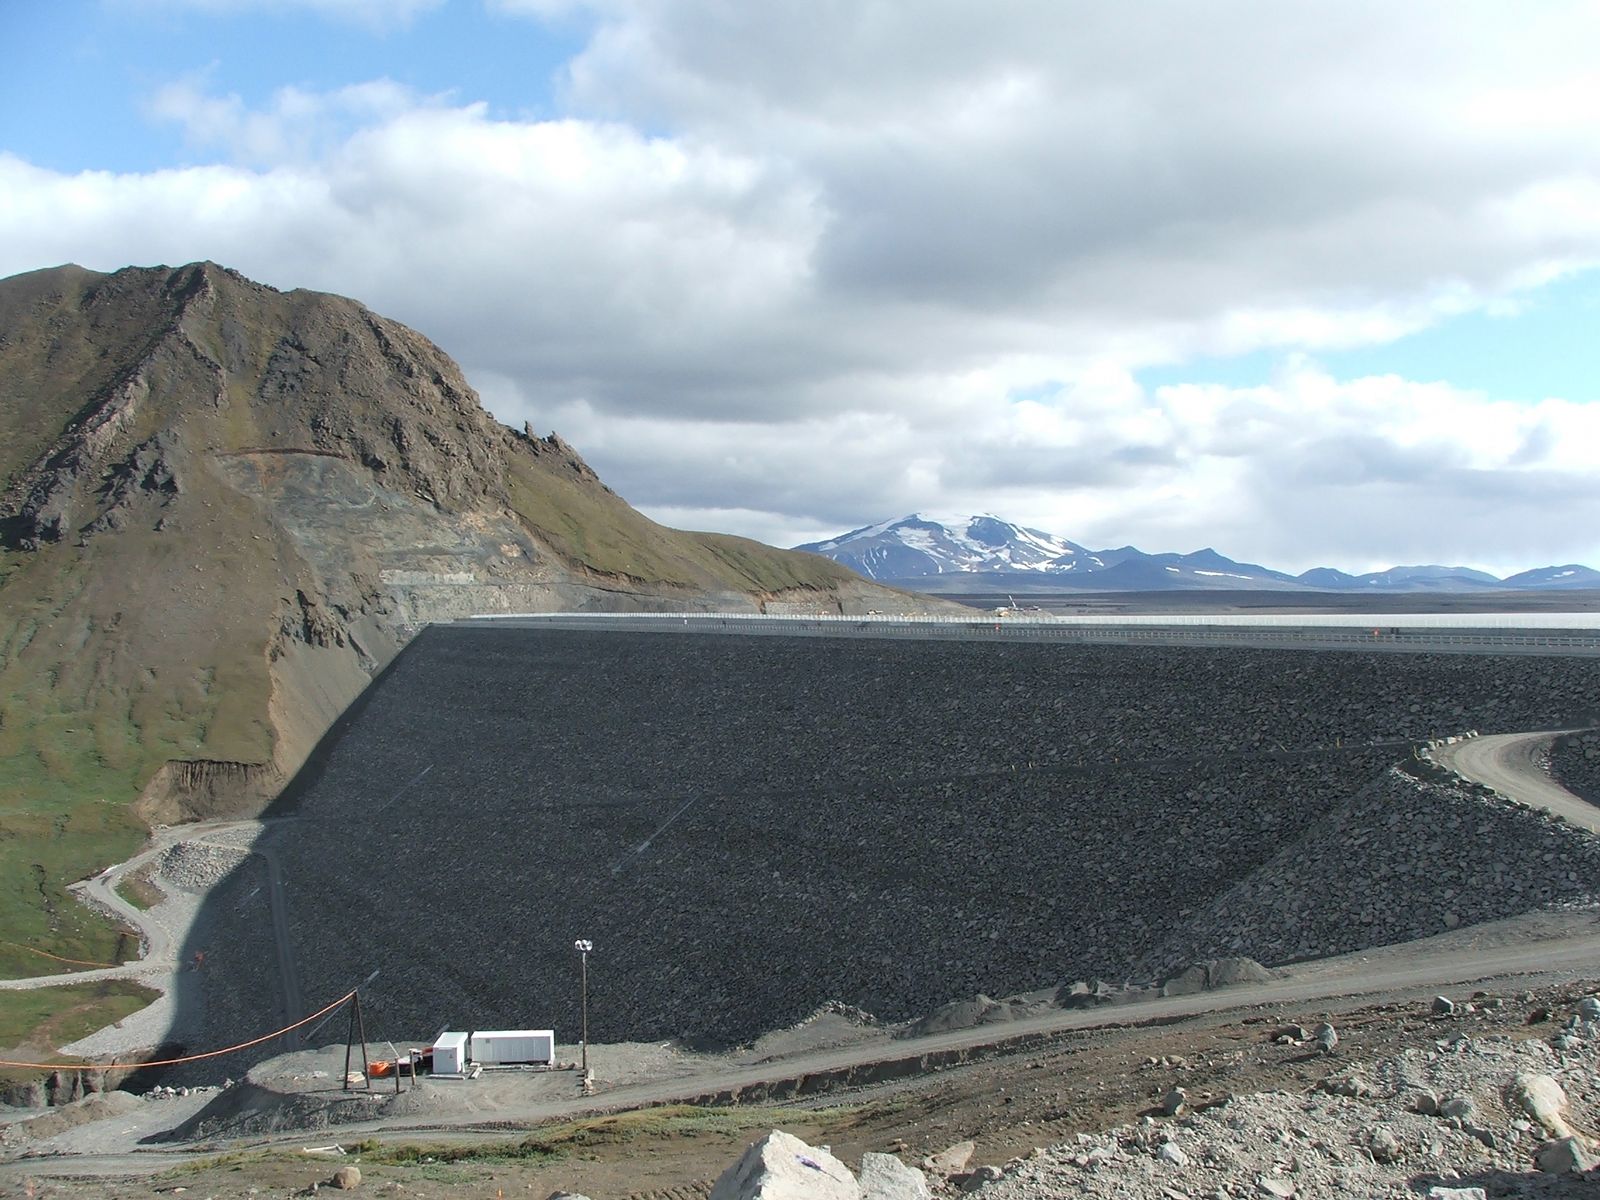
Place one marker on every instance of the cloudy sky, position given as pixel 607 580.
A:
pixel 1312 283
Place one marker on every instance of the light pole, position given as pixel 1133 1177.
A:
pixel 583 946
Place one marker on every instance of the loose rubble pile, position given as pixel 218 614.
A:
pixel 1405 859
pixel 1467 1119
pixel 747 828
pixel 1470 1113
pixel 197 867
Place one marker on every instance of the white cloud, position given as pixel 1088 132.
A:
pixel 797 266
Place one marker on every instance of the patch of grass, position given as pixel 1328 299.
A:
pixel 139 890
pixel 554 1142
pixel 43 1018
pixel 99 687
pixel 234 1160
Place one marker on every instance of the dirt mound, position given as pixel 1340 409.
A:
pixel 95 1107
pixel 249 1109
pixel 1216 973
pixel 980 1010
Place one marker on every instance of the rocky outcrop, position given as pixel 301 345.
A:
pixel 189 790
pixel 233 505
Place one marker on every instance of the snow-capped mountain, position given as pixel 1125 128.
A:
pixel 1401 579
pixel 1572 575
pixel 974 553
pixel 922 544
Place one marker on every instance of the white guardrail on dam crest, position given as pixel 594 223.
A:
pixel 1516 633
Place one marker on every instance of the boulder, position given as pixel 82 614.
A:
pixel 1172 1154
pixel 782 1167
pixel 885 1177
pixel 1541 1098
pixel 1589 1008
pixel 1384 1145
pixel 1174 1101
pixel 1443 1006
pixel 1565 1156
pixel 979 1176
pixel 952 1160
pixel 346 1179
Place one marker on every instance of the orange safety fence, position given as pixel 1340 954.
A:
pixel 77 962
pixel 187 1058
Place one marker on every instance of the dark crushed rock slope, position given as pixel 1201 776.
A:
pixel 1575 761
pixel 747 827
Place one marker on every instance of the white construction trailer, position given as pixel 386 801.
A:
pixel 513 1047
pixel 450 1053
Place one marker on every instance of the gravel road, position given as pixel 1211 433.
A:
pixel 1505 763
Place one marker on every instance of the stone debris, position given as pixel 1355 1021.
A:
pixel 885 1177
pixel 975 1179
pixel 1394 1140
pixel 1565 1156
pixel 198 867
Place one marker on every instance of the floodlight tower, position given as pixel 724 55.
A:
pixel 583 946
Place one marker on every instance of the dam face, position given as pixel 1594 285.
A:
pixel 749 827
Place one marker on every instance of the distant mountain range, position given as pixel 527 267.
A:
pixel 984 553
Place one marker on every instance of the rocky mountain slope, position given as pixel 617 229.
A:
pixel 222 509
pixel 978 553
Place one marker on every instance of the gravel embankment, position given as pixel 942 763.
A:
pixel 748 828
pixel 1575 763
pixel 1404 859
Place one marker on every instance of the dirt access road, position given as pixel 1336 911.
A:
pixel 164 928
pixel 1509 763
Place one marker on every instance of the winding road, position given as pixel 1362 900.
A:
pixel 159 965
pixel 1506 762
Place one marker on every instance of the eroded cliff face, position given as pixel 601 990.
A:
pixel 225 508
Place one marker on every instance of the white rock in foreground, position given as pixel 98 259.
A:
pixel 782 1167
pixel 885 1177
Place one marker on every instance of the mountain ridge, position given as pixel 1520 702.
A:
pixel 224 508
pixel 941 553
